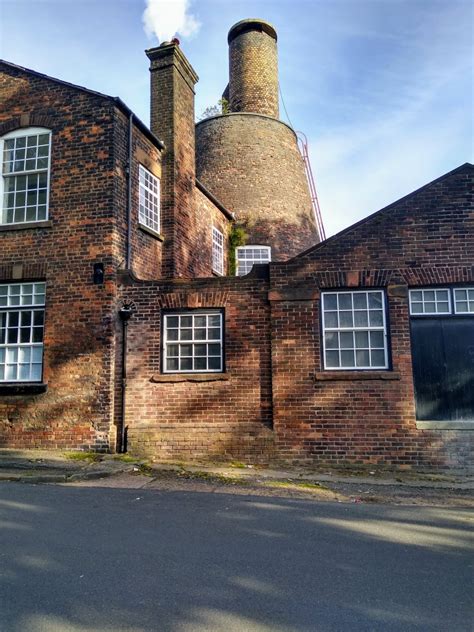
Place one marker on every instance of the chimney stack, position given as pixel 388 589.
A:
pixel 253 68
pixel 172 120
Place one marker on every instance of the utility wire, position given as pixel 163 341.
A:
pixel 284 106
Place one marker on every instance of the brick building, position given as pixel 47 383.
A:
pixel 123 325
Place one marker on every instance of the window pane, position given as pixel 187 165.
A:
pixel 345 301
pixel 214 363
pixel 330 319
pixel 330 301
pixel 361 339
pixel 347 358
pixel 376 318
pixel 360 300
pixel 362 358
pixel 346 340
pixel 345 319
pixel 332 340
pixel 214 321
pixel 200 364
pixel 361 319
pixel 172 364
pixel 377 339
pixel 377 358
pixel 186 364
pixel 332 358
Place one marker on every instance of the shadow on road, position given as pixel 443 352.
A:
pixel 87 560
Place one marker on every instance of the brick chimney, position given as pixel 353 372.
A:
pixel 253 68
pixel 172 120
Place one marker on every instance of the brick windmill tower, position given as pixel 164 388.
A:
pixel 250 159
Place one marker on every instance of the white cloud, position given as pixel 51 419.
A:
pixel 167 18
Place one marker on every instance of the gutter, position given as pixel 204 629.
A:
pixel 214 200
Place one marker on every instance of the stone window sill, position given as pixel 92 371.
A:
pixel 17 388
pixel 445 425
pixel 349 376
pixel 27 225
pixel 151 232
pixel 190 377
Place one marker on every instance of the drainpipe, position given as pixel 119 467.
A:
pixel 127 309
pixel 126 312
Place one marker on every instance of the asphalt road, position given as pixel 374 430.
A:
pixel 123 560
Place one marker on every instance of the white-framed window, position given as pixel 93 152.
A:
pixel 149 199
pixel 217 251
pixel 430 302
pixel 464 300
pixel 354 330
pixel 21 331
pixel 24 182
pixel 246 256
pixel 443 301
pixel 193 342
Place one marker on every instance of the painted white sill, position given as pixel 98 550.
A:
pixel 46 223
pixel 445 425
pixel 150 231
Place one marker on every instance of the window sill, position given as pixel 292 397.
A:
pixel 190 377
pixel 26 225
pixel 445 425
pixel 19 388
pixel 151 232
pixel 355 375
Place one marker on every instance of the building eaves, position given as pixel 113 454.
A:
pixel 467 167
pixel 123 107
pixel 214 200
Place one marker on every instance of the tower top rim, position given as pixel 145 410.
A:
pixel 251 24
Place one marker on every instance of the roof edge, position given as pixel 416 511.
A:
pixel 467 166
pixel 116 100
pixel 214 200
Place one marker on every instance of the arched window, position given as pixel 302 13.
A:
pixel 24 183
pixel 247 256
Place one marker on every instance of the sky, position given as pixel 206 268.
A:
pixel 383 89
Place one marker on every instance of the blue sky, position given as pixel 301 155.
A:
pixel 382 88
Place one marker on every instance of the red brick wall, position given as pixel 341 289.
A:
pixel 427 238
pixel 87 224
pixel 75 410
pixel 171 420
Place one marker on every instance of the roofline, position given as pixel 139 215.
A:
pixel 214 200
pixel 465 166
pixel 116 100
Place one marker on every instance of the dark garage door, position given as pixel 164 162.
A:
pixel 443 367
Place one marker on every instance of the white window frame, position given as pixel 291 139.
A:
pixel 355 329
pixel 470 292
pixel 453 301
pixel 149 200
pixel 250 247
pixel 423 291
pixel 22 299
pixel 217 251
pixel 183 340
pixel 20 133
